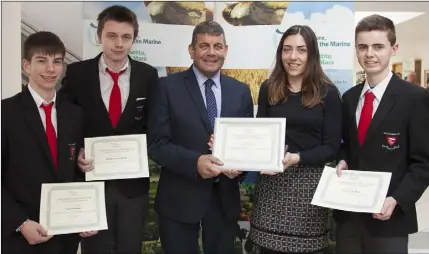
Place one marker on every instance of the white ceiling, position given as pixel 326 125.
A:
pixel 415 29
pixel 67 24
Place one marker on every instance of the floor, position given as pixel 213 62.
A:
pixel 419 242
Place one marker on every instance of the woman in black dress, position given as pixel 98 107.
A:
pixel 283 220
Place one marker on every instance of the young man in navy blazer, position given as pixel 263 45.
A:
pixel 113 91
pixel 39 138
pixel 385 129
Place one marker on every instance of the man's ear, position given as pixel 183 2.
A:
pixel 26 66
pixel 395 49
pixel 191 51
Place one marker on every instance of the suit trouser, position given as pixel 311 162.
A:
pixel 59 244
pixel 70 244
pixel 353 238
pixel 126 218
pixel 218 233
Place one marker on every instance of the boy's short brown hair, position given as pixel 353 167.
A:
pixel 118 13
pixel 377 23
pixel 43 42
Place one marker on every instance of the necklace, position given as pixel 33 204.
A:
pixel 294 90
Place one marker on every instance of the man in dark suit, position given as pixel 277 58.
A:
pixel 385 129
pixel 39 136
pixel 113 91
pixel 192 191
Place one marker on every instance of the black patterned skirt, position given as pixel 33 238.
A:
pixel 283 218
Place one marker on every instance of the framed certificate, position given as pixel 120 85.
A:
pixel 250 144
pixel 73 207
pixel 354 191
pixel 117 157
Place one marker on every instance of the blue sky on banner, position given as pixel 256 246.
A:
pixel 92 9
pixel 307 8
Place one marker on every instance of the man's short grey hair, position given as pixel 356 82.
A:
pixel 207 27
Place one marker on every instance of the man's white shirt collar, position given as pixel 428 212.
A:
pixel 379 89
pixel 102 65
pixel 38 99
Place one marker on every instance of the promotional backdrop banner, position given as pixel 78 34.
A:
pixel 253 31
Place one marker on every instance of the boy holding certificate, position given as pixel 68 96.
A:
pixel 38 135
pixel 385 123
pixel 113 91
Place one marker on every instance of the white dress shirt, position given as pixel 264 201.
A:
pixel 39 102
pixel 378 91
pixel 106 83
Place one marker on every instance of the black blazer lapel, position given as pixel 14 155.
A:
pixel 354 101
pixel 195 92
pixel 386 104
pixel 34 121
pixel 226 93
pixel 65 123
pixel 135 86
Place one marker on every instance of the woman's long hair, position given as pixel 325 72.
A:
pixel 315 82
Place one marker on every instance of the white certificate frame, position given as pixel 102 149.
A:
pixel 354 191
pixel 100 173
pixel 49 208
pixel 276 128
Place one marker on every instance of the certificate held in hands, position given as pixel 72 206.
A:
pixel 354 191
pixel 250 144
pixel 117 157
pixel 67 208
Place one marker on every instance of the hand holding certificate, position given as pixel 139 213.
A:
pixel 232 173
pixel 354 191
pixel 253 144
pixel 73 208
pixel 117 157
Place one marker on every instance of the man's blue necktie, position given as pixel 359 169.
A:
pixel 210 101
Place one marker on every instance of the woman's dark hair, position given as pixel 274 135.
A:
pixel 315 82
